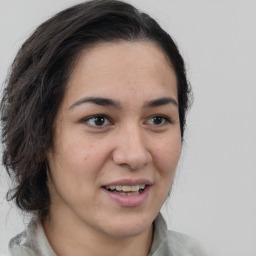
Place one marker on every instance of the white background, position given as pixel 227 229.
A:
pixel 213 197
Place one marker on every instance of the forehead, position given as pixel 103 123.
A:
pixel 124 67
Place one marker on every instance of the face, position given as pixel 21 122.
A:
pixel 117 140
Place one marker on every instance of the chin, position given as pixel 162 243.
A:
pixel 129 226
pixel 128 231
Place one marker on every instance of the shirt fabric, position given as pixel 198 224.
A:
pixel 33 242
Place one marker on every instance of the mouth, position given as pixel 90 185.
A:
pixel 126 190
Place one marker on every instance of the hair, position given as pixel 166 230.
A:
pixel 38 79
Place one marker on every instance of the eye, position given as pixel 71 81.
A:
pixel 97 121
pixel 158 120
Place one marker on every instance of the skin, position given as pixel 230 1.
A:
pixel 126 143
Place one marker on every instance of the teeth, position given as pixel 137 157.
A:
pixel 118 188
pixel 126 188
pixel 135 188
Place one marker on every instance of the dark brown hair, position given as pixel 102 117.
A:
pixel 38 78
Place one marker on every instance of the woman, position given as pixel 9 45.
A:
pixel 93 121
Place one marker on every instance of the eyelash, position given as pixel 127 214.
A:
pixel 91 118
pixel 163 117
pixel 105 118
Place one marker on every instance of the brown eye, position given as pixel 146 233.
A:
pixel 158 120
pixel 97 121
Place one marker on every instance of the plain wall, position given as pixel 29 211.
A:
pixel 213 197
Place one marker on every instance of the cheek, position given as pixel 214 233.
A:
pixel 68 162
pixel 167 154
pixel 83 162
pixel 73 172
pixel 166 157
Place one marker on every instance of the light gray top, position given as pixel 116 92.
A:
pixel 33 241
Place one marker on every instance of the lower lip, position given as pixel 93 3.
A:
pixel 129 201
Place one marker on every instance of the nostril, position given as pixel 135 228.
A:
pixel 131 152
pixel 128 166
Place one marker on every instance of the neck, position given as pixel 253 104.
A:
pixel 78 240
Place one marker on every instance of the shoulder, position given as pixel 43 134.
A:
pixel 22 244
pixel 166 242
pixel 19 247
pixel 30 242
pixel 184 245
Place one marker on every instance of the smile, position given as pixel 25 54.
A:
pixel 126 190
pixel 128 195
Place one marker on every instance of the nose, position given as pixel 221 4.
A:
pixel 131 150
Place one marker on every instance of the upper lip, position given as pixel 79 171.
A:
pixel 129 182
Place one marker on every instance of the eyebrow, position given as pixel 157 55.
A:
pixel 113 103
pixel 96 100
pixel 160 102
